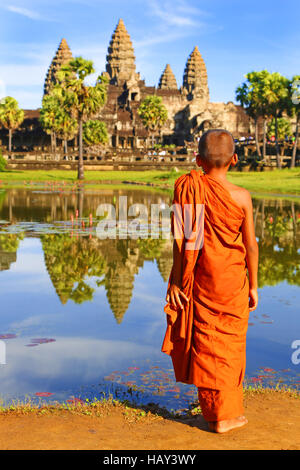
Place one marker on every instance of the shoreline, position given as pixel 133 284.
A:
pixel 113 425
pixel 278 183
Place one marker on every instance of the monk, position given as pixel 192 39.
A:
pixel 213 283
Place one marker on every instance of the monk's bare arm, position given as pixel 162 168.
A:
pixel 175 294
pixel 177 265
pixel 249 239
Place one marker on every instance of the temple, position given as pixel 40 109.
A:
pixel 190 111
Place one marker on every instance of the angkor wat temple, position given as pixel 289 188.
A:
pixel 189 110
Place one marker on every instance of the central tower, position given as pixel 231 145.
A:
pixel 120 58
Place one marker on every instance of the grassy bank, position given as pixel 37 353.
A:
pixel 285 181
pixel 105 406
pixel 273 423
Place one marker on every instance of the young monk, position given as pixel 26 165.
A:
pixel 213 286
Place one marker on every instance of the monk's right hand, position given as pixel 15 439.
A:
pixel 175 295
pixel 253 299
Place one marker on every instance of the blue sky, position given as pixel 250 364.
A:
pixel 234 37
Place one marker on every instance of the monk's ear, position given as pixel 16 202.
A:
pixel 198 160
pixel 234 159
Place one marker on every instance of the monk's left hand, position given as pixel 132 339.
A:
pixel 253 299
pixel 175 295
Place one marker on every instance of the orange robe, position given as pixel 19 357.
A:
pixel 207 339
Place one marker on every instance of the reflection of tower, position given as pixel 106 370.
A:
pixel 61 281
pixel 122 261
pixel 165 261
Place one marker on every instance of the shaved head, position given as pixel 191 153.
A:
pixel 216 148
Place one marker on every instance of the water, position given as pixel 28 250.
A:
pixel 83 317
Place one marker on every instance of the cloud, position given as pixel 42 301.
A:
pixel 177 13
pixel 29 13
pixel 153 40
pixel 33 15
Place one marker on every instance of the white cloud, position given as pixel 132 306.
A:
pixel 153 40
pixel 176 13
pixel 33 15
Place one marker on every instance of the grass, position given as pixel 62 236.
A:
pixel 281 182
pixel 131 413
pixel 96 408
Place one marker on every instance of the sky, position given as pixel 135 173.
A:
pixel 234 38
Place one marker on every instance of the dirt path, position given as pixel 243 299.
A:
pixel 274 423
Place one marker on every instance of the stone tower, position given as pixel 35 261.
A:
pixel 62 56
pixel 195 77
pixel 120 58
pixel 167 80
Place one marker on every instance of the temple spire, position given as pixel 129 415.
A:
pixel 120 58
pixel 62 56
pixel 195 74
pixel 167 80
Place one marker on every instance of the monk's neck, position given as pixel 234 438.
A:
pixel 217 174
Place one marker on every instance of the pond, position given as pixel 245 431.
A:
pixel 82 317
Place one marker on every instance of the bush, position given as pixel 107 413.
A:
pixel 2 162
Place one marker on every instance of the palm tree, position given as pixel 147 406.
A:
pixel 51 107
pixel 294 110
pixel 275 90
pixel 11 116
pixel 95 133
pixel 66 128
pixel 250 95
pixel 247 98
pixel 81 101
pixel 283 128
pixel 153 114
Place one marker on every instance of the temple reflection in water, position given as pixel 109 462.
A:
pixel 79 265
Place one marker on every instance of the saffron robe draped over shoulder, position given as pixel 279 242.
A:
pixel 207 339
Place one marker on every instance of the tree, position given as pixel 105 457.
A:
pixel 81 101
pixel 250 95
pixel 294 110
pixel 283 128
pixel 275 89
pixel 153 114
pixel 51 106
pixel 66 128
pixel 95 133
pixel 11 116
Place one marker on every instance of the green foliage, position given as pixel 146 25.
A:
pixel 151 248
pixel 70 264
pixel 51 106
pixel 251 93
pixel 80 100
pixel 284 128
pixel 2 162
pixel 95 133
pixel 279 259
pixel 9 243
pixel 11 116
pixel 294 95
pixel 164 147
pixel 153 113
